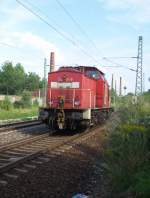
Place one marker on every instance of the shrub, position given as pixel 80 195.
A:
pixel 26 99
pixel 127 149
pixel 1 104
pixel 6 104
pixel 35 103
pixel 126 154
pixel 18 104
pixel 141 186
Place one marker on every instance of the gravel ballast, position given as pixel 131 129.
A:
pixel 68 172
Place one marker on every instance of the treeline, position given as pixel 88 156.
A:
pixel 14 79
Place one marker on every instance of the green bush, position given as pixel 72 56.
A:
pixel 1 104
pixel 35 103
pixel 126 153
pixel 127 148
pixel 141 185
pixel 26 99
pixel 126 159
pixel 6 104
pixel 18 104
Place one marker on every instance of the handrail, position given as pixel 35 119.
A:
pixel 73 95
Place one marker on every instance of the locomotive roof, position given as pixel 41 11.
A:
pixel 81 68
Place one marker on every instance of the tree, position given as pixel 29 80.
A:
pixel 26 99
pixel 43 82
pixel 130 94
pixel 19 75
pixel 6 104
pixel 13 79
pixel 146 96
pixel 7 79
pixel 32 81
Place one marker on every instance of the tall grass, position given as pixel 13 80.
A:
pixel 127 154
pixel 18 113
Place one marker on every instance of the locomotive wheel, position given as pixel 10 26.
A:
pixel 73 126
pixel 51 125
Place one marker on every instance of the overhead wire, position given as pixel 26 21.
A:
pixel 56 24
pixel 67 37
pixel 121 57
pixel 56 30
pixel 45 15
pixel 77 24
pixel 117 64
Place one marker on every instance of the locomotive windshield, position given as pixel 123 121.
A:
pixel 93 74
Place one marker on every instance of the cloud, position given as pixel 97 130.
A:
pixel 29 49
pixel 17 13
pixel 13 15
pixel 28 39
pixel 128 11
pixel 125 4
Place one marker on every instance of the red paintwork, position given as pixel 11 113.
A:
pixel 90 93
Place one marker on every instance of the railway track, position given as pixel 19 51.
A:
pixel 21 131
pixel 18 125
pixel 17 158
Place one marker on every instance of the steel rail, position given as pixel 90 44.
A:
pixel 71 141
pixel 19 125
pixel 23 142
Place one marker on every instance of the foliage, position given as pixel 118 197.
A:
pixel 26 99
pixel 7 78
pixel 32 82
pixel 127 149
pixel 113 96
pixel 126 155
pixel 13 79
pixel 43 82
pixel 6 104
pixel 35 103
pixel 18 113
pixel 141 183
pixel 146 96
pixel 18 104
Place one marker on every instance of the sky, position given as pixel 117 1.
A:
pixel 102 28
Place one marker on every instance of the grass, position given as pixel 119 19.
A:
pixel 18 113
pixel 127 152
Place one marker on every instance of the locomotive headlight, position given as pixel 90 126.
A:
pixel 77 102
pixel 51 103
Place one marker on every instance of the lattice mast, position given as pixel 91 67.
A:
pixel 139 71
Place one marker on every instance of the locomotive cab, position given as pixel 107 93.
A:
pixel 76 97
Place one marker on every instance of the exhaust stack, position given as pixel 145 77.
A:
pixel 52 61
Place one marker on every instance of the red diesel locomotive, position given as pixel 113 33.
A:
pixel 76 97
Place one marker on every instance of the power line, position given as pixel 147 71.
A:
pixel 56 30
pixel 65 36
pixel 56 24
pixel 77 24
pixel 117 57
pixel 112 66
pixel 41 11
pixel 117 64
